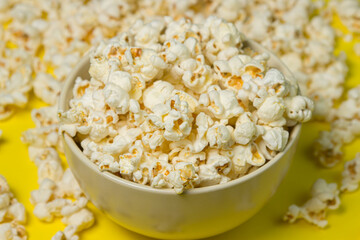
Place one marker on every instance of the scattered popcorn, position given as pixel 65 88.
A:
pixel 194 122
pixel 324 196
pixel 351 175
pixel 357 49
pixel 345 127
pixel 45 134
pixel 12 214
pixel 54 198
pixel 38 55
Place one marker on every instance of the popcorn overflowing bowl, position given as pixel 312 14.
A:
pixel 225 172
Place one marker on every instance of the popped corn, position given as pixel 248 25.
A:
pixel 12 214
pixel 349 13
pixel 293 30
pixel 324 196
pixel 146 114
pixel 351 175
pixel 345 127
pixel 357 49
pixel 59 195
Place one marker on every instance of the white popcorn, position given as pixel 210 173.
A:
pixel 349 13
pixel 271 112
pixel 300 108
pixel 220 136
pixel 245 130
pixel 345 127
pixel 128 162
pixel 185 106
pixel 276 138
pixel 50 169
pixel 117 98
pixel 223 35
pixel 223 103
pixel 44 193
pixel 158 93
pixel 351 175
pixel 15 80
pixel 12 214
pixel 81 219
pixel 183 177
pixel 203 123
pixel 174 117
pixel 357 49
pixel 240 160
pixel 68 186
pixel 295 31
pixel 221 163
pixel 47 88
pixel 43 137
pixel 324 196
pixel 12 231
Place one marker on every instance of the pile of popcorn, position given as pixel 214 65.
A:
pixel 173 104
pixel 345 127
pixel 12 214
pixel 41 42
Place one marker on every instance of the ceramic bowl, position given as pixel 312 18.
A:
pixel 161 213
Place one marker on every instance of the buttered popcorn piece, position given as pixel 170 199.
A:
pixel 159 113
pixel 324 196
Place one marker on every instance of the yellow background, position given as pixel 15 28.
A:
pixel 344 223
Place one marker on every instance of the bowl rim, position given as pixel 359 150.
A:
pixel 69 141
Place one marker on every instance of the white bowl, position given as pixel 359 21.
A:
pixel 161 213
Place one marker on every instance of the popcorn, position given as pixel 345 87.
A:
pixel 357 49
pixel 81 219
pixel 158 93
pixel 197 76
pixel 275 138
pixel 300 109
pixel 52 200
pixel 12 230
pixel 182 177
pixel 245 130
pixel 12 214
pixel 294 31
pixel 345 127
pixel 15 82
pixel 128 162
pixel 324 196
pixel 223 103
pixel 271 112
pixel 185 106
pixel 349 13
pixel 219 136
pixel 58 188
pixel 351 175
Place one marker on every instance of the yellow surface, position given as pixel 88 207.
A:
pixel 344 223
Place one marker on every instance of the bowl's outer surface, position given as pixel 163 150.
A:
pixel 160 213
